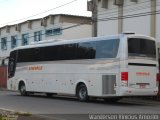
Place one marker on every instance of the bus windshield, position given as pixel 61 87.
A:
pixel 141 47
pixel 12 64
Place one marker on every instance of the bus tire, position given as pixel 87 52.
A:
pixel 82 93
pixel 22 89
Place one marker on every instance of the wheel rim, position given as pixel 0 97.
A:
pixel 82 93
pixel 23 89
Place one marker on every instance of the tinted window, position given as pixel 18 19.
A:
pixel 67 52
pixel 59 52
pixel 49 53
pixel 26 55
pixel 141 47
pixel 86 50
pixel 107 48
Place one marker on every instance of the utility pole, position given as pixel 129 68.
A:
pixel 153 19
pixel 120 20
pixel 94 18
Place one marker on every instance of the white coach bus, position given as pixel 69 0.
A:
pixel 102 67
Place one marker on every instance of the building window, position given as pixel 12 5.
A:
pixel 13 41
pixel 48 32
pixel 25 39
pixel 37 36
pixel 55 31
pixel 4 43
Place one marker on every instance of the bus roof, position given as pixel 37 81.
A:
pixel 61 42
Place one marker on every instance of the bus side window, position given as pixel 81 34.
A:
pixel 37 55
pixel 86 50
pixel 107 48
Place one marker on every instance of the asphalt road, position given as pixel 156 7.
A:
pixel 39 104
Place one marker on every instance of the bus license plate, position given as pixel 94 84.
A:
pixel 142 86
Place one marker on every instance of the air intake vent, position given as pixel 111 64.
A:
pixel 108 82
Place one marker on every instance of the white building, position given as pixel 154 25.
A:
pixel 117 16
pixel 58 26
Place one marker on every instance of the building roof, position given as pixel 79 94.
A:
pixel 67 15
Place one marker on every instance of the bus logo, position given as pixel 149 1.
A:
pixel 142 74
pixel 35 68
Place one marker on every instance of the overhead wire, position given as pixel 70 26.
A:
pixel 107 19
pixel 130 16
pixel 41 12
pixel 134 9
pixel 124 6
pixel 127 10
pixel 60 7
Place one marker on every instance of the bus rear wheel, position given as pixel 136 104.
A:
pixel 82 93
pixel 22 89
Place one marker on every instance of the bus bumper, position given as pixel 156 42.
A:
pixel 125 91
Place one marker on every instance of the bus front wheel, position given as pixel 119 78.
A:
pixel 22 89
pixel 82 93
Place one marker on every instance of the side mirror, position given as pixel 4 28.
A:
pixel 3 61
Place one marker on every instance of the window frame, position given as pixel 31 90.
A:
pixel 140 50
pixel 23 38
pixel 12 45
pixel 4 43
pixel 52 31
pixel 38 36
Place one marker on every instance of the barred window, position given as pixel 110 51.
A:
pixel 13 41
pixel 4 43
pixel 25 39
pixel 38 36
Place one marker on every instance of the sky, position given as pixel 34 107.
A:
pixel 16 11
